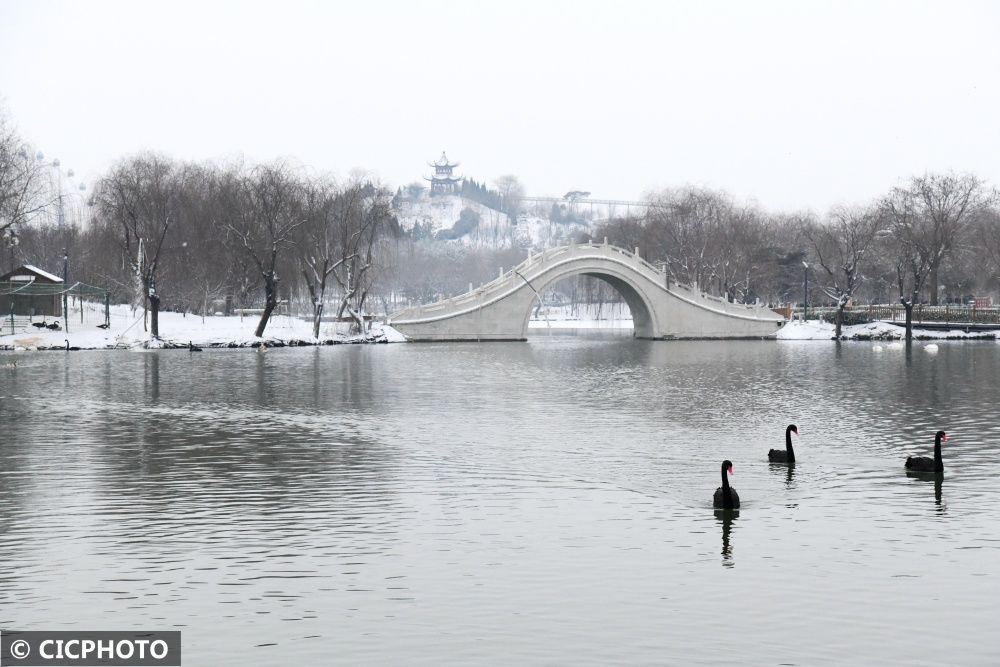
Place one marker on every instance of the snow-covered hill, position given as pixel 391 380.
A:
pixel 466 221
pixel 455 218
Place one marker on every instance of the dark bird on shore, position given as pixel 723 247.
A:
pixel 54 326
pixel 39 325
pixel 103 326
pixel 786 455
pixel 726 496
pixel 193 348
pixel 926 463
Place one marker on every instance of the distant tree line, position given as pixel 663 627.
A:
pixel 934 232
pixel 479 193
pixel 470 189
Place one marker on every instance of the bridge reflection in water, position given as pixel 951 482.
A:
pixel 661 309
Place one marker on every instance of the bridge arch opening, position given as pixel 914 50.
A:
pixel 588 296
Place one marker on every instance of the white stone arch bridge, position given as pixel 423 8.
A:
pixel 661 308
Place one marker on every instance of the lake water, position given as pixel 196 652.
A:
pixel 547 502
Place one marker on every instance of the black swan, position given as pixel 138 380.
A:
pixel 192 347
pixel 726 496
pixel 926 463
pixel 787 455
pixel 68 348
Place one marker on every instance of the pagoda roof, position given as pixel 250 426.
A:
pixel 443 179
pixel 443 162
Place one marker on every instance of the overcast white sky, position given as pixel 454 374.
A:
pixel 796 104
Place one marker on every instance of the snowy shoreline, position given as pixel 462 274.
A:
pixel 181 331
pixel 177 330
pixel 818 330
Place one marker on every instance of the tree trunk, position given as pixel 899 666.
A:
pixel 933 287
pixel 270 301
pixel 317 316
pixel 909 321
pixel 154 315
pixel 840 321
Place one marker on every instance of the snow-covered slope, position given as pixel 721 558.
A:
pixel 540 232
pixel 441 216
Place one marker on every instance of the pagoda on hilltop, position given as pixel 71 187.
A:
pixel 443 182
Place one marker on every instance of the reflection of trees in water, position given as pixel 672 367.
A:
pixel 164 462
pixel 256 480
pixel 34 458
pixel 152 376
pixel 895 400
pixel 21 495
pixel 726 518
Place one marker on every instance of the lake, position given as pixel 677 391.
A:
pixel 547 502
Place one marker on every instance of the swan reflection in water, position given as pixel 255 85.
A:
pixel 786 471
pixel 726 518
pixel 921 477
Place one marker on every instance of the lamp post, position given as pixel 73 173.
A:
pixel 805 292
pixel 65 286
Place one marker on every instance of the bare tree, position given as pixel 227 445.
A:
pixel 511 194
pixel 22 182
pixel 840 246
pixel 943 205
pixel 685 229
pixel 197 261
pixel 912 246
pixel 366 212
pixel 263 210
pixel 988 237
pixel 323 251
pixel 139 197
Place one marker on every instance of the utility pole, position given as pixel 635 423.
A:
pixel 65 288
pixel 805 292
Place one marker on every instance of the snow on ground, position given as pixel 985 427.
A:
pixel 582 316
pixel 177 330
pixel 818 330
pixel 540 232
pixel 440 213
pixel 495 229
pixel 126 331
pixel 580 324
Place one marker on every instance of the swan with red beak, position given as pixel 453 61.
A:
pixel 726 496
pixel 926 463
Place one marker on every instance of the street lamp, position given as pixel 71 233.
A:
pixel 805 292
pixel 65 285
